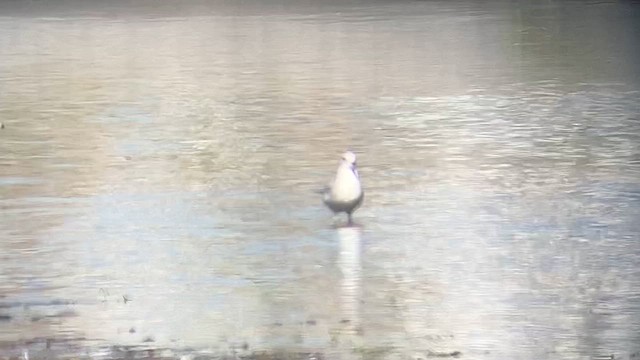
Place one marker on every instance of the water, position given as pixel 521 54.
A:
pixel 159 161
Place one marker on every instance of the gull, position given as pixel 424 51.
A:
pixel 344 194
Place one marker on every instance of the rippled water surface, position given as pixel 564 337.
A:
pixel 159 162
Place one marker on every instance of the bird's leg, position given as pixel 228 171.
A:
pixel 350 221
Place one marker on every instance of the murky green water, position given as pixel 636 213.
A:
pixel 159 160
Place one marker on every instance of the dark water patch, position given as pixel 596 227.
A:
pixel 30 304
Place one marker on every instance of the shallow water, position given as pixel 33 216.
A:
pixel 158 166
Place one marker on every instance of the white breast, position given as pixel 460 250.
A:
pixel 346 185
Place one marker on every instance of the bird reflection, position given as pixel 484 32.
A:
pixel 350 288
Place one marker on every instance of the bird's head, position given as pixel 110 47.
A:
pixel 349 158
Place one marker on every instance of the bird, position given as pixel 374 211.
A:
pixel 344 194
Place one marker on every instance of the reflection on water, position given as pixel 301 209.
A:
pixel 351 268
pixel 158 166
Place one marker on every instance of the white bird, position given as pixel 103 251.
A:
pixel 345 192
